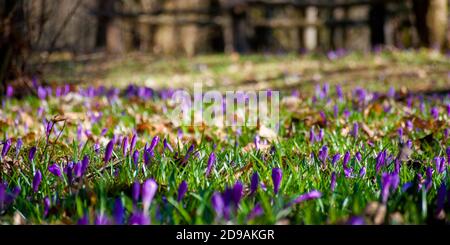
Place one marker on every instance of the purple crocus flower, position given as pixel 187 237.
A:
pixel 84 164
pixel 109 151
pixel 46 205
pixel 18 146
pixel 9 91
pixel 440 164
pixel 381 159
pixel 118 211
pixel 358 156
pixel 429 180
pixel 409 125
pixel 149 189
pixel 133 142
pixel 312 136
pixel 31 153
pixel 148 155
pixel 211 161
pixel 339 92
pixel 182 189
pixel 320 135
pixel 256 211
pixel 237 192
pixel 314 194
pixel 37 180
pixel 101 219
pixel 167 145
pixel 276 179
pixel 136 191
pixel 154 143
pixel 448 155
pixel 385 185
pixel 333 181
pixel 346 159
pixel 136 157
pixel 188 155
pixel 125 146
pixel 355 130
pixel 335 159
pixel 254 182
pixel 434 113
pixel 6 146
pixel 323 154
pixel 218 204
pixel 55 170
pixel 400 134
pixel 362 172
pixel 139 218
pixel 356 220
pixel 440 198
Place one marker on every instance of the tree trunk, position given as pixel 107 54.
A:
pixel 12 41
pixel 377 17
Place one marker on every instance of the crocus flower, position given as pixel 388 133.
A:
pixel 101 219
pixel 362 171
pixel 356 220
pixel 154 143
pixel 448 154
pixel 440 198
pixel 358 156
pixel 333 181
pixel 139 218
pixel 118 211
pixel 148 155
pixel 31 153
pixel 256 211
pixel 312 136
pixel 434 113
pixel 136 157
pixel 9 91
pixel 339 92
pixel 409 125
pixel 46 205
pixel 254 182
pixel 133 142
pixel 218 204
pixel 37 180
pixel 6 146
pixel 429 180
pixel 323 154
pixel 109 151
pixel 182 189
pixel 136 191
pixel 385 185
pixel 276 179
pixel 84 164
pixel 125 146
pixel 188 155
pixel 335 159
pixel 167 145
pixel 211 161
pixel 346 159
pixel 237 192
pixel 400 134
pixel 55 170
pixel 18 146
pixel 314 194
pixel 355 130
pixel 148 192
pixel 381 158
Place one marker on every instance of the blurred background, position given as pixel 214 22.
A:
pixel 91 40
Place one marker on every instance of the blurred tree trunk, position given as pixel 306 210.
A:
pixel 377 17
pixel 12 42
pixel 431 21
pixel 109 31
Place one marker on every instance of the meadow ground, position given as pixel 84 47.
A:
pixel 362 139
